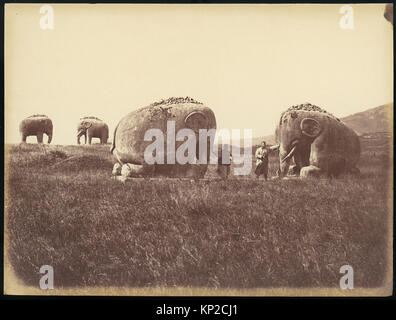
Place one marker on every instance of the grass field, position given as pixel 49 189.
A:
pixel 64 209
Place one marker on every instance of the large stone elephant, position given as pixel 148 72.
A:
pixel 319 143
pixel 129 143
pixel 36 125
pixel 92 127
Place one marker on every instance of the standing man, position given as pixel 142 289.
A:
pixel 262 159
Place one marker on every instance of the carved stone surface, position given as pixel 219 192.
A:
pixel 129 145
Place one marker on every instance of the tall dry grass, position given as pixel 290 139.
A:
pixel 64 209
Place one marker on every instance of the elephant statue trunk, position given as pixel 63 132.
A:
pixel 285 158
pixel 80 133
pixel 290 154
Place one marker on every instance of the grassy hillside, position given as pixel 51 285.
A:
pixel 64 209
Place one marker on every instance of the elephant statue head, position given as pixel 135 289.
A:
pixel 36 125
pixel 168 117
pixel 92 127
pixel 316 141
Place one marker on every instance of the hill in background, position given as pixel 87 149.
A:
pixel 377 119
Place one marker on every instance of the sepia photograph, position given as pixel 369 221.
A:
pixel 192 150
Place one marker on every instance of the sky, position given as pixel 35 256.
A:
pixel 247 63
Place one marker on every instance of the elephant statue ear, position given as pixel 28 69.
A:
pixel 310 127
pixel 196 120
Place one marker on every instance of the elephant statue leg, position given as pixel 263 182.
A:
pixel 310 171
pixel 132 170
pixel 301 159
pixel 116 169
pixel 294 170
pixel 39 137
pixel 89 139
pixel 24 136
pixel 103 139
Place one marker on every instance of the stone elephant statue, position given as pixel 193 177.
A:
pixel 319 143
pixel 129 144
pixel 92 127
pixel 36 125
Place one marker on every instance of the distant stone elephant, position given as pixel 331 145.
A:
pixel 36 125
pixel 319 143
pixel 92 127
pixel 129 144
